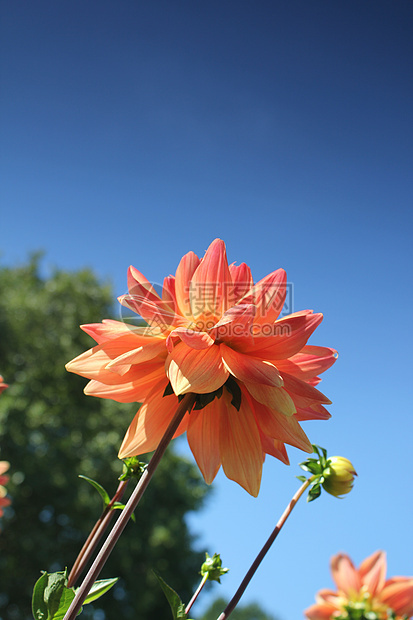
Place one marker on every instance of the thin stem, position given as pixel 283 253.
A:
pixel 196 593
pixel 186 404
pixel 95 536
pixel 236 598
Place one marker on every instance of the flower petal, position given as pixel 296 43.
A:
pixel 373 572
pixel 288 336
pixel 159 315
pixel 345 574
pixel 150 423
pixel 242 281
pixel 274 447
pixel 211 284
pixel 398 595
pixel 109 330
pixel 131 392
pixel 203 438
pixel 192 338
pixel 320 611
pixel 309 362
pixel 296 387
pixel 183 276
pixel 139 286
pixel 268 296
pixel 122 364
pixel 251 369
pixel 240 446
pixel 235 325
pixel 315 412
pixel 281 427
pixel 199 371
pixel 273 397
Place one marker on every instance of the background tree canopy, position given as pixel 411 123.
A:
pixel 242 612
pixel 51 432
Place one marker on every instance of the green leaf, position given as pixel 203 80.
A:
pixel 301 478
pixel 99 588
pixel 104 495
pixel 51 596
pixel 174 600
pixel 39 607
pixel 119 506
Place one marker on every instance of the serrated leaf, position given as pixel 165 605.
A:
pixel 104 495
pixel 174 600
pixel 99 588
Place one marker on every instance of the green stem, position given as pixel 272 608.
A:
pixel 185 405
pixel 236 598
pixel 196 593
pixel 95 536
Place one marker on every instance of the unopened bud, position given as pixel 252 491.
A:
pixel 338 476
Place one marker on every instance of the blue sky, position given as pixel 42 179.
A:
pixel 133 132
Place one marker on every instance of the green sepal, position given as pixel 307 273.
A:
pixel 119 506
pixel 234 389
pixel 212 567
pixel 132 468
pixel 314 492
pixel 168 391
pixel 99 588
pixel 174 600
pixel 104 495
pixel 301 478
pixel 202 400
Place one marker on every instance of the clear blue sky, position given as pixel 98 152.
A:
pixel 133 132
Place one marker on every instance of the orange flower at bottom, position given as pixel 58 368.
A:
pixel 364 590
pixel 4 501
pixel 215 333
pixel 3 385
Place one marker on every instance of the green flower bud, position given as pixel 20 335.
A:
pixel 213 567
pixel 338 476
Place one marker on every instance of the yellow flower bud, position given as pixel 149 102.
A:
pixel 338 476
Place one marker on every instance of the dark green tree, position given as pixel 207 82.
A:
pixel 51 432
pixel 252 611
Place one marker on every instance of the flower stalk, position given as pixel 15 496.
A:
pixel 185 405
pixel 95 535
pixel 254 566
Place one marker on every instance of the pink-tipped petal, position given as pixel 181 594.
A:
pixel 211 284
pixel 287 336
pixel 300 388
pixel 315 412
pixel 345 574
pixel 373 572
pixel 250 369
pixel 138 285
pixel 159 316
pixel 242 281
pixel 183 276
pixel 235 325
pixel 274 447
pixel 199 371
pixel 240 446
pixel 268 296
pixel 203 438
pixel 311 361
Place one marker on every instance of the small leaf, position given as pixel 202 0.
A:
pixel 177 606
pixel 51 598
pixel 99 588
pixel 119 506
pixel 65 601
pixel 104 495
pixel 301 478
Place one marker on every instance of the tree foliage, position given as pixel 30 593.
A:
pixel 251 611
pixel 51 432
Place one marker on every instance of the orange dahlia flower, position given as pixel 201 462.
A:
pixel 4 501
pixel 215 333
pixel 3 385
pixel 363 592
